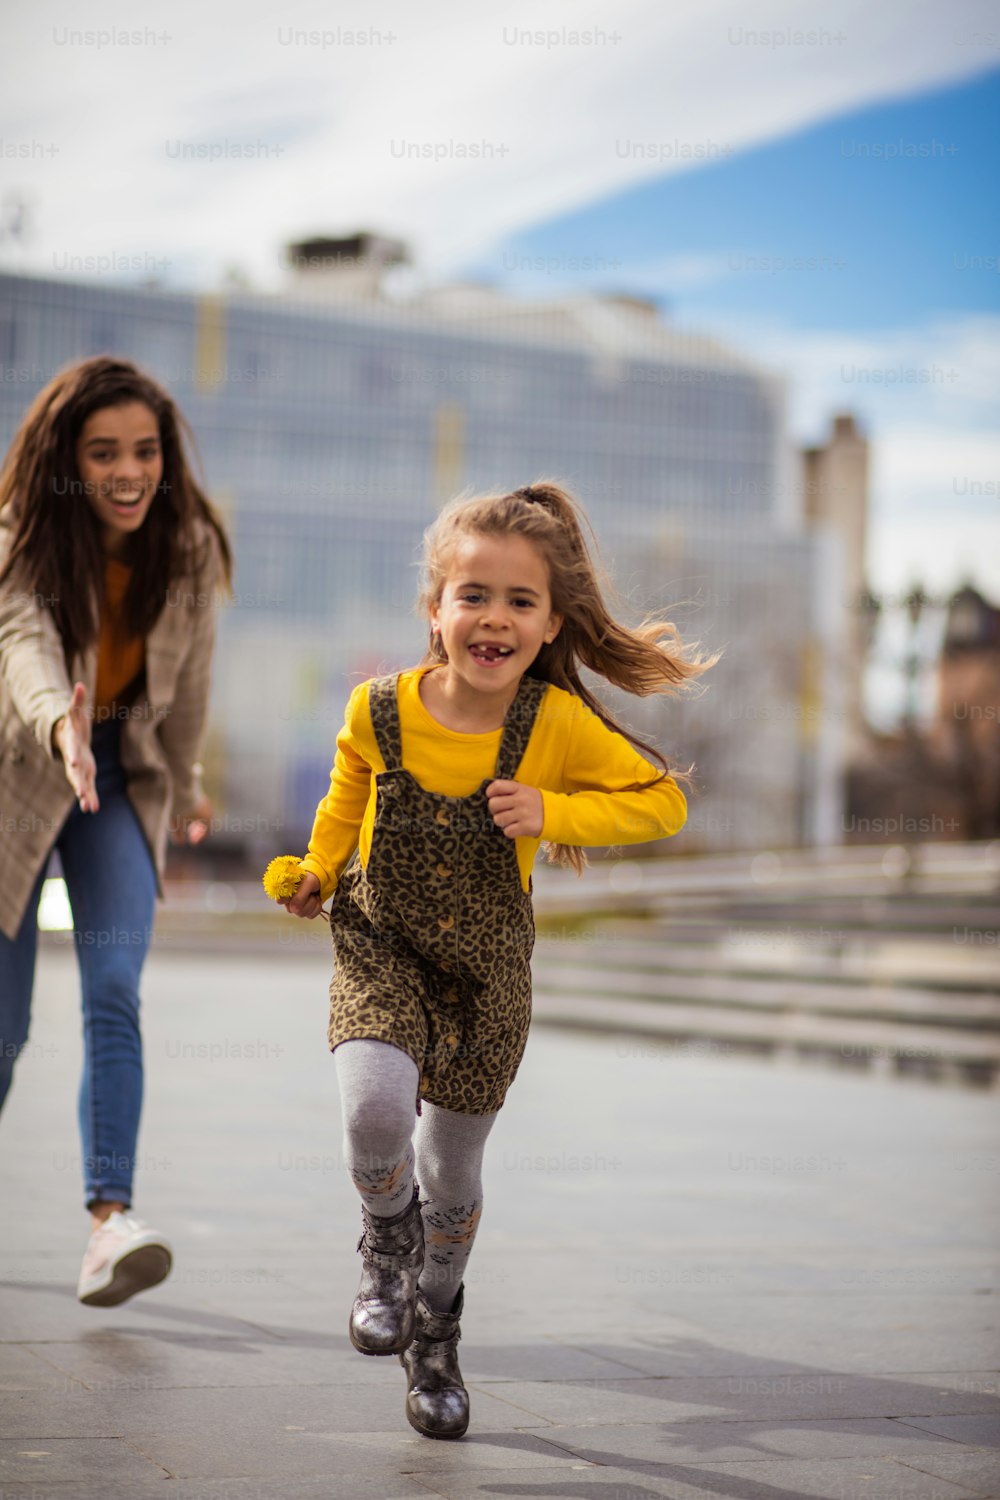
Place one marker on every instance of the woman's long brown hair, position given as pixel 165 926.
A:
pixel 55 551
pixel 642 659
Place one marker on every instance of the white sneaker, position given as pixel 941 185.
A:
pixel 123 1257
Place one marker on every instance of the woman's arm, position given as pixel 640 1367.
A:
pixel 71 737
pixel 34 669
pixel 32 663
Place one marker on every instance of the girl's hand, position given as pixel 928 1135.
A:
pixel 71 737
pixel 516 808
pixel 306 902
pixel 193 826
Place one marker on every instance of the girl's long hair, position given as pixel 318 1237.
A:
pixel 642 659
pixel 55 551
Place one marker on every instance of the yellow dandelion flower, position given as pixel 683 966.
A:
pixel 283 877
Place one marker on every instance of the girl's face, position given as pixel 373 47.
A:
pixel 495 611
pixel 120 462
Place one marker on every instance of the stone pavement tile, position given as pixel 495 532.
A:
pixel 182 1419
pixel 786 1479
pixel 869 1337
pixel 983 1384
pixel 119 1354
pixel 113 1362
pixel 380 1484
pixel 34 1312
pixel 481 1448
pixel 678 1272
pixel 652 1354
pixel 840 1273
pixel 61 1413
pixel 796 1395
pixel 55 1273
pixel 264 1432
pixel 297 1456
pixel 76 1460
pixel 541 1359
pixel 978 1431
pixel 979 1469
pixel 735 1442
pixel 502 1320
pixel 21 1370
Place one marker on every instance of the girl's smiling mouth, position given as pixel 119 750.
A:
pixel 489 655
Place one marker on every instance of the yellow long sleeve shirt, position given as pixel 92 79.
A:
pixel 579 765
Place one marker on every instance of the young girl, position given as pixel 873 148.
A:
pixel 110 558
pixel 446 780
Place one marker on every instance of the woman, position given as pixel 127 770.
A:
pixel 110 560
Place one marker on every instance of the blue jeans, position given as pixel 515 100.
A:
pixel 112 889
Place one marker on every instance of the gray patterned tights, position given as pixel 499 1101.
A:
pixel 378 1091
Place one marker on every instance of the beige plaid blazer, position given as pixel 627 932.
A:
pixel 160 738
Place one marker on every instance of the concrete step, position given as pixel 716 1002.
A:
pixel 934 1052
pixel 664 989
pixel 928 871
pixel 779 953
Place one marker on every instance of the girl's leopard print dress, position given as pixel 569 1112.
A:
pixel 432 939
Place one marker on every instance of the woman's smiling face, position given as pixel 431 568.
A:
pixel 495 611
pixel 120 462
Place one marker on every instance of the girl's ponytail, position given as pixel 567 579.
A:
pixel 643 659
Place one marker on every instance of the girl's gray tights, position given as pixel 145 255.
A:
pixel 378 1091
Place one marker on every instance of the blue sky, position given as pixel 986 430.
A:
pixel 890 237
pixel 247 128
pixel 891 310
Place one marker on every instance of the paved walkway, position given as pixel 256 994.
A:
pixel 696 1276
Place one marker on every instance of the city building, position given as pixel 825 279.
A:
pixel 965 737
pixel 938 779
pixel 835 496
pixel 333 419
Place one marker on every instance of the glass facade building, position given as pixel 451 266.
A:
pixel 329 432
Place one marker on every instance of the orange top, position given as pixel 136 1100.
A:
pixel 120 656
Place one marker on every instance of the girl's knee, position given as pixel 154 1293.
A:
pixel 378 1126
pixel 378 1096
pixel 451 1182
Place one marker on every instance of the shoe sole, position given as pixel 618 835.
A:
pixel 136 1272
pixel 379 1353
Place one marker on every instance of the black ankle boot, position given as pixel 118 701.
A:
pixel 382 1318
pixel 437 1403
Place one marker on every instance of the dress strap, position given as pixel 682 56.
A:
pixel 517 727
pixel 383 704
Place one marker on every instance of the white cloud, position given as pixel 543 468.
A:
pixel 675 274
pixel 939 470
pixel 942 553
pixel 935 508
pixel 557 124
pixel 943 374
pixel 93 133
pixel 935 451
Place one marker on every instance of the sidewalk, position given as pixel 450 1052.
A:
pixel 696 1276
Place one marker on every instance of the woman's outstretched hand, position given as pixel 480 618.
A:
pixel 516 808
pixel 306 901
pixel 194 825
pixel 71 737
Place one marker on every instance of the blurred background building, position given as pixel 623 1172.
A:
pixel 333 418
pixel 937 776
